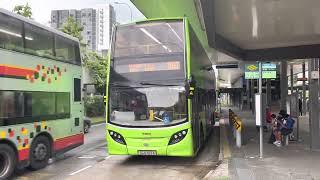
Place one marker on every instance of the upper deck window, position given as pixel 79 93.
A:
pixel 66 49
pixel 149 39
pixel 38 41
pixel 28 38
pixel 10 33
pixel 149 51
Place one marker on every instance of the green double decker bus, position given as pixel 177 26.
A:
pixel 160 90
pixel 41 109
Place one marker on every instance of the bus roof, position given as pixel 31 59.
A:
pixel 30 21
pixel 151 20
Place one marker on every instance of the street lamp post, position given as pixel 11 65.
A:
pixel 126 5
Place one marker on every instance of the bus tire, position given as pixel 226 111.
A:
pixel 86 128
pixel 40 153
pixel 8 161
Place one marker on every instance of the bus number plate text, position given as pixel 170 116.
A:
pixel 147 153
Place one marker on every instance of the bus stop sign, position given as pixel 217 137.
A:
pixel 269 71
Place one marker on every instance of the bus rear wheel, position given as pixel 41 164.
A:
pixel 40 153
pixel 7 161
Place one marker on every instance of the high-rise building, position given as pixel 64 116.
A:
pixel 105 20
pixel 97 24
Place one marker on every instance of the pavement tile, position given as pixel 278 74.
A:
pixel 294 161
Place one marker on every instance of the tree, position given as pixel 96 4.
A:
pixel 97 66
pixel 24 10
pixel 72 28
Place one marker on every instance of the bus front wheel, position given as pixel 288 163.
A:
pixel 7 161
pixel 39 153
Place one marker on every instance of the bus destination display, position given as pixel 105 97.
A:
pixel 149 67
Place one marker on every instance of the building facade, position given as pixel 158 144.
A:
pixel 97 24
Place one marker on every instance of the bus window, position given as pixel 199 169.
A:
pixel 66 50
pixel 38 41
pixel 63 103
pixel 150 51
pixel 19 104
pixel 77 90
pixel 43 103
pixel 149 39
pixel 10 33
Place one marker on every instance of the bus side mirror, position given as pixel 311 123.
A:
pixel 190 88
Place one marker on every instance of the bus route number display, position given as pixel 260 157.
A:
pixel 149 67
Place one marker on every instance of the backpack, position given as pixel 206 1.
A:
pixel 289 123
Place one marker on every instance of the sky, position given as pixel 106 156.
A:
pixel 41 9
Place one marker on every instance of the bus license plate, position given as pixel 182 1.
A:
pixel 147 153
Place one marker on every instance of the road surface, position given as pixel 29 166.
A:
pixel 91 161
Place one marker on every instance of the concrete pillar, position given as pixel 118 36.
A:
pixel 283 84
pixel 304 98
pixel 314 106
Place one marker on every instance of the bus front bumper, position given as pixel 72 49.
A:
pixel 159 146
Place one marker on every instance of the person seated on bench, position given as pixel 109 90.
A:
pixel 284 126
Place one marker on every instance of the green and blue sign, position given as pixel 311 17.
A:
pixel 269 71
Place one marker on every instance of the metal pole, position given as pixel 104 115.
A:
pixel 252 96
pixel 268 92
pixel 304 100
pixel 261 123
pixel 291 79
pixel 238 138
pixel 283 85
pixel 127 6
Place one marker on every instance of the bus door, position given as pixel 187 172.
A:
pixel 195 121
pixel 77 106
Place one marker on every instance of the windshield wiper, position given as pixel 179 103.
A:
pixel 157 84
pixel 121 85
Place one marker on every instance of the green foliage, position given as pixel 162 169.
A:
pixel 94 106
pixel 72 28
pixel 24 10
pixel 97 66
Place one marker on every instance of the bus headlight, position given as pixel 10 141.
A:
pixel 178 136
pixel 117 137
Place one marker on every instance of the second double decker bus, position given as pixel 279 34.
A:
pixel 41 110
pixel 161 92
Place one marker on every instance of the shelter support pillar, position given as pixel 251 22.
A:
pixel 314 105
pixel 283 84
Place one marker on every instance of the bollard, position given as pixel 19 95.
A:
pixel 238 139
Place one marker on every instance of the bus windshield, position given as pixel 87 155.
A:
pixel 149 51
pixel 148 106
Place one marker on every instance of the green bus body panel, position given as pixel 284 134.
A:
pixel 21 135
pixel 151 139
